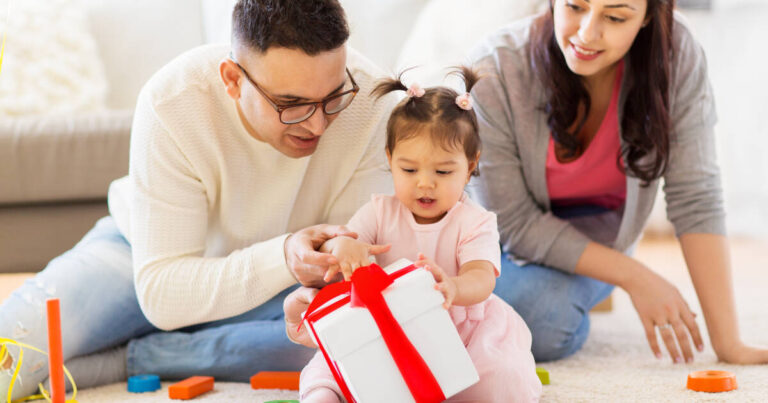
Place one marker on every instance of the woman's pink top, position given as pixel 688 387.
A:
pixel 593 178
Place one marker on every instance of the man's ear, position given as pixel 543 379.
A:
pixel 230 74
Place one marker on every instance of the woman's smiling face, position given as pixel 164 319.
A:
pixel 595 34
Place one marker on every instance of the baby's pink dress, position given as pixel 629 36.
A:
pixel 496 337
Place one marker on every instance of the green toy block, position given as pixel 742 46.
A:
pixel 543 375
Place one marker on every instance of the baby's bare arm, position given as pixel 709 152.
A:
pixel 475 282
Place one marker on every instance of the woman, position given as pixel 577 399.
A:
pixel 585 109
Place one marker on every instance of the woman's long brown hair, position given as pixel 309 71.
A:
pixel 645 125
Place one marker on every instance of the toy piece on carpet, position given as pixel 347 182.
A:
pixel 190 387
pixel 55 355
pixel 543 375
pixel 56 368
pixel 712 381
pixel 143 383
pixel 275 380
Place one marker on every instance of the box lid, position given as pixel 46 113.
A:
pixel 347 329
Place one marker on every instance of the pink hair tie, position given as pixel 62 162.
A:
pixel 415 91
pixel 464 101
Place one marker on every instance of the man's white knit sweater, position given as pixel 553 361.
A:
pixel 207 207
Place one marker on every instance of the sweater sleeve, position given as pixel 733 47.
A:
pixel 526 229
pixel 175 284
pixel 692 186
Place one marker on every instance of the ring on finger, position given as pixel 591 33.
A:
pixel 664 326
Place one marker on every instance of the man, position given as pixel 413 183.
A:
pixel 232 150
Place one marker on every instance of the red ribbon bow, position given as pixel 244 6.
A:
pixel 364 290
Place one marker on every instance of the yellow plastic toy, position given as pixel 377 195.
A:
pixel 543 375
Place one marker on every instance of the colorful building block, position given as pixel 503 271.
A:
pixel 143 383
pixel 275 380
pixel 55 355
pixel 712 381
pixel 543 375
pixel 190 387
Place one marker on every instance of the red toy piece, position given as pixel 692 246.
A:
pixel 190 387
pixel 55 356
pixel 712 381
pixel 275 380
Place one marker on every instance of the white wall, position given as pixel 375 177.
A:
pixel 733 35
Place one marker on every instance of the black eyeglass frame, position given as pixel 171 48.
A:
pixel 324 102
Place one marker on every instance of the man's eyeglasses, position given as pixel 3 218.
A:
pixel 299 112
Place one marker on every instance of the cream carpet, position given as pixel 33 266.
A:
pixel 615 364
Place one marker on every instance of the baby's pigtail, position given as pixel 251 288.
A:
pixel 469 75
pixel 387 85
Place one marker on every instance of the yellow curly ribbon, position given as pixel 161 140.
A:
pixel 43 393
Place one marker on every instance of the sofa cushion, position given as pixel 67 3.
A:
pixel 51 64
pixel 33 235
pixel 54 157
pixel 136 38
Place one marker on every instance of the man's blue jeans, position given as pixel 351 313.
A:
pixel 99 309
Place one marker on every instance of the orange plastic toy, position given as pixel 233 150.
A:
pixel 275 380
pixel 55 356
pixel 190 387
pixel 712 381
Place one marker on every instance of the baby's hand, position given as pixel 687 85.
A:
pixel 294 305
pixel 445 284
pixel 352 254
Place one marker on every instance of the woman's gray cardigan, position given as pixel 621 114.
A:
pixel 512 181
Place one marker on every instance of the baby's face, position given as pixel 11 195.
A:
pixel 429 180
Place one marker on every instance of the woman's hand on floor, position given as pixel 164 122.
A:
pixel 741 353
pixel 660 305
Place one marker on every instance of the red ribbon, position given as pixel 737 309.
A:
pixel 365 291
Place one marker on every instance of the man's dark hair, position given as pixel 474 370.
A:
pixel 312 26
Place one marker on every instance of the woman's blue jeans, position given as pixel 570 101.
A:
pixel 555 305
pixel 99 309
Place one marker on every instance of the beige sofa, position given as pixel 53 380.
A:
pixel 55 170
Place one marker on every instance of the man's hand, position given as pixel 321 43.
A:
pixel 294 305
pixel 304 261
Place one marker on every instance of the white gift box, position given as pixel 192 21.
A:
pixel 352 341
